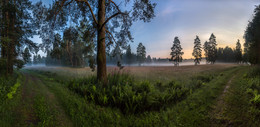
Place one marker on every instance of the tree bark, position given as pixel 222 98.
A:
pixel 101 46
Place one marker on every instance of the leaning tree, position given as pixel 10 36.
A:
pixel 111 22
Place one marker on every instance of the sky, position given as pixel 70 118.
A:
pixel 227 19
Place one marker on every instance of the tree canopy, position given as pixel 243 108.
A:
pixel 176 54
pixel 197 51
pixel 111 23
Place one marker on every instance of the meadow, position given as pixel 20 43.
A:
pixel 205 95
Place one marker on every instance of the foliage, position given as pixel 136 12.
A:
pixel 252 39
pixel 111 24
pixel 243 101
pixel 197 51
pixel 176 54
pixel 210 49
pixel 141 53
pixel 226 54
pixel 26 55
pixel 17 26
pixel 130 96
pixel 74 49
pixel 14 88
pixel 238 52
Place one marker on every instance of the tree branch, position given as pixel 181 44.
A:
pixel 115 5
pixel 93 15
pixel 111 35
pixel 114 15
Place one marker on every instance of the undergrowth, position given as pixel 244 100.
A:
pixel 130 96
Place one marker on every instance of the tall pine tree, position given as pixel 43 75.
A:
pixel 238 52
pixel 176 54
pixel 210 49
pixel 197 51
pixel 129 55
pixel 112 23
pixel 16 27
pixel 26 55
pixel 141 53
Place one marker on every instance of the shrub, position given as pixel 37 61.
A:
pixel 130 97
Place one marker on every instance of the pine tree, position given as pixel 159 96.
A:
pixel 210 49
pixel 129 55
pixel 16 27
pixel 26 55
pixel 148 59
pixel 206 50
pixel 197 51
pixel 252 39
pixel 141 53
pixel 176 54
pixel 111 23
pixel 238 52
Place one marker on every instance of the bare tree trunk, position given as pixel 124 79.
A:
pixel 101 50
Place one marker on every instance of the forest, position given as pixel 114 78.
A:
pixel 90 75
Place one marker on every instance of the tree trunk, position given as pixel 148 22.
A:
pixel 101 46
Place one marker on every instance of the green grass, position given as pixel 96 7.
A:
pixel 59 101
pixel 193 109
pixel 243 102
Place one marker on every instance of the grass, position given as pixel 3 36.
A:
pixel 184 100
pixel 243 101
pixel 9 93
pixel 191 110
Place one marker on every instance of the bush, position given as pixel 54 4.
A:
pixel 130 97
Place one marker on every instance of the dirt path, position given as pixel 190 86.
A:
pixel 217 116
pixel 34 87
pixel 25 111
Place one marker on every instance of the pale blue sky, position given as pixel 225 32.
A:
pixel 227 19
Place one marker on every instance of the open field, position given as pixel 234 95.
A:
pixel 163 73
pixel 141 96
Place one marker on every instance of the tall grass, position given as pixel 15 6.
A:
pixel 131 96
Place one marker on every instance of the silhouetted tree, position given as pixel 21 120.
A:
pixel 252 39
pixel 141 53
pixel 148 59
pixel 210 49
pixel 238 52
pixel 197 51
pixel 111 23
pixel 176 54
pixel 129 55
pixel 226 54
pixel 26 55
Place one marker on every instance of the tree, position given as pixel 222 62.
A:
pixel 238 52
pixel 110 22
pixel 16 27
pixel 26 55
pixel 210 49
pixel 141 53
pixel 176 54
pixel 252 39
pixel 129 55
pixel 197 51
pixel 149 59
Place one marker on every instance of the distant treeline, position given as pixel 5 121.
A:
pixel 76 48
